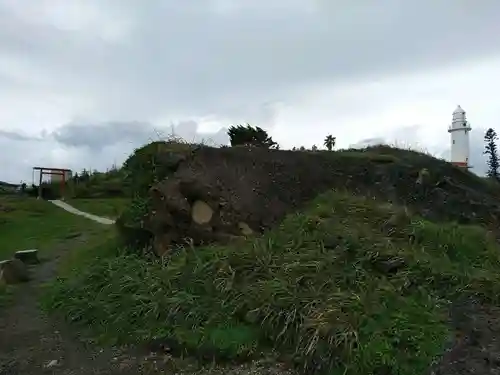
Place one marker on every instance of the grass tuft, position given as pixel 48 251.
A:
pixel 349 286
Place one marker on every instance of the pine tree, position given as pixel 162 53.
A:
pixel 491 150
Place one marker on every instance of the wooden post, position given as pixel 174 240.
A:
pixel 63 180
pixel 40 185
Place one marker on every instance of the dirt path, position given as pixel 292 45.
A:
pixel 75 211
pixel 32 343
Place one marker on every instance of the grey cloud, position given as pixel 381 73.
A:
pixel 183 59
pixel 17 136
pixel 368 142
pixel 177 57
pixel 89 145
pixel 101 135
pixel 98 136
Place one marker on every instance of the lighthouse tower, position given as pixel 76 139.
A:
pixel 459 131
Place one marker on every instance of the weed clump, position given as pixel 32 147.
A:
pixel 152 163
pixel 147 166
pixel 350 286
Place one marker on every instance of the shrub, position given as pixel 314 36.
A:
pixel 152 163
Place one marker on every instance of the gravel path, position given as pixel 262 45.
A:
pixel 73 210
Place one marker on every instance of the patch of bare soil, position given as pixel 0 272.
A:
pixel 476 350
pixel 217 194
pixel 32 343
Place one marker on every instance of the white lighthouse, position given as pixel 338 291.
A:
pixel 459 131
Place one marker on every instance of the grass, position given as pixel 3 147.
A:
pixel 349 286
pixel 106 207
pixel 28 223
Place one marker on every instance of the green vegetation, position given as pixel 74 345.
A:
pixel 329 142
pixel 491 149
pixel 6 188
pixel 143 168
pixel 250 135
pixel 111 184
pixel 28 223
pixel 350 285
pixel 345 285
pixel 106 207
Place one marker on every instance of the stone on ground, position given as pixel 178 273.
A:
pixel 13 271
pixel 28 256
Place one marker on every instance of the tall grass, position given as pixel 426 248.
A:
pixel 350 286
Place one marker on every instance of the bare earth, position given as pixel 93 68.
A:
pixel 31 343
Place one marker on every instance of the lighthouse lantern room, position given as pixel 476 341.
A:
pixel 459 131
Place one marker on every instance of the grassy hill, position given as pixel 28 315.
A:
pixel 28 223
pixel 7 188
pixel 7 184
pixel 370 277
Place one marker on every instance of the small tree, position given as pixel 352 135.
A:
pixel 329 142
pixel 249 135
pixel 314 148
pixel 490 149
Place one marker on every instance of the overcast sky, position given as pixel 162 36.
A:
pixel 83 82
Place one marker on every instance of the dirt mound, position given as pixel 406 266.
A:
pixel 217 194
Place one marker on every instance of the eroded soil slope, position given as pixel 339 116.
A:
pixel 215 194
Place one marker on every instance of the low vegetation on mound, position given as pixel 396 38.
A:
pixel 99 185
pixel 350 262
pixel 351 284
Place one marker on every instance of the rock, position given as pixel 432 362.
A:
pixel 245 229
pixel 423 175
pixel 52 363
pixel 389 265
pixel 72 235
pixel 28 256
pixel 13 271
